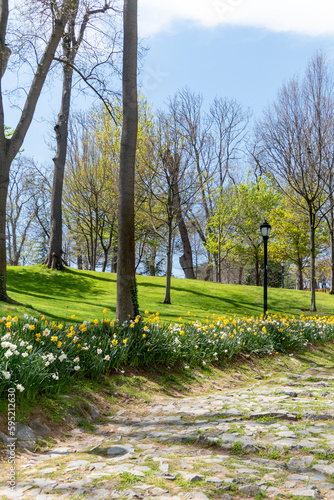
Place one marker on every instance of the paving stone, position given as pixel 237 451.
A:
pixel 132 440
pixel 78 463
pixel 48 470
pixel 196 495
pixel 215 480
pixel 193 477
pixel 157 492
pixel 39 428
pixel 300 463
pixel 326 469
pixel 307 443
pixel 116 451
pixel 249 489
pixel 312 492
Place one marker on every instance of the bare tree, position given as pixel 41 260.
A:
pixel 126 279
pixel 9 147
pixel 22 193
pixel 295 133
pixel 214 142
pixel 71 43
pixel 166 186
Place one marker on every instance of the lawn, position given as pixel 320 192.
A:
pixel 59 295
pixel 207 324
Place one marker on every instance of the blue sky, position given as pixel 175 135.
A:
pixel 246 61
pixel 242 49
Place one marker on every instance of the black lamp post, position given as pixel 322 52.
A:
pixel 282 264
pixel 265 231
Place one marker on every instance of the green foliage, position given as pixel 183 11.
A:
pixel 237 448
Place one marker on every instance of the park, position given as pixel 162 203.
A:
pixel 166 274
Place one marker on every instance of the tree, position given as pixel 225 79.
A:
pixel 292 241
pixel 22 192
pixel 167 185
pixel 220 228
pixel 9 147
pixel 295 133
pixel 214 142
pixel 127 304
pixel 90 197
pixel 254 202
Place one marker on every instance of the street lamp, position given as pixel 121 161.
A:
pixel 265 231
pixel 282 264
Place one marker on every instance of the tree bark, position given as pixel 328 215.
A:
pixel 167 299
pixel 151 262
pixel 10 147
pixel 299 277
pixel 331 291
pixel 4 181
pixel 257 271
pixel 186 260
pixel 330 222
pixel 54 258
pixel 126 229
pixel 312 261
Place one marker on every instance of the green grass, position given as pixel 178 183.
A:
pixel 58 295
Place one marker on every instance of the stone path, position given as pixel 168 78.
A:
pixel 272 439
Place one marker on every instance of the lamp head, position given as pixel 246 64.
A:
pixel 265 229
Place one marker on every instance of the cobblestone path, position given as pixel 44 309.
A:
pixel 270 439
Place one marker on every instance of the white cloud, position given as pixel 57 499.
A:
pixel 308 17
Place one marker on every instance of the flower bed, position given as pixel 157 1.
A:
pixel 41 356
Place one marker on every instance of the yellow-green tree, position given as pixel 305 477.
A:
pixel 254 202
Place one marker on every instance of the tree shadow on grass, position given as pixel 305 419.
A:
pixel 61 283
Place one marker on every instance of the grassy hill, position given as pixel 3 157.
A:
pixel 85 294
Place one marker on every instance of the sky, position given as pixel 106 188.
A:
pixel 238 49
pixel 241 49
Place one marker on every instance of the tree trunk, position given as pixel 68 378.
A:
pixel 105 260
pixel 186 260
pixel 79 261
pixel 114 264
pixel 151 262
pixel 312 261
pixel 331 234
pixel 240 274
pixel 299 277
pixel 54 258
pixel 257 271
pixel 126 229
pixel 10 147
pixel 4 181
pixel 167 299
